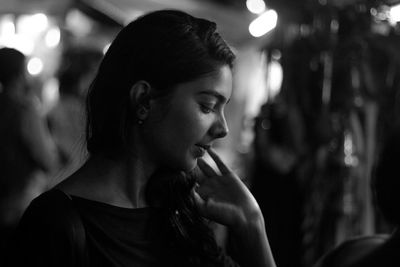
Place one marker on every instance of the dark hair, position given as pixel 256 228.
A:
pixel 164 48
pixel 189 238
pixel 12 64
pixel 385 181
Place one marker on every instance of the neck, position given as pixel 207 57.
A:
pixel 123 181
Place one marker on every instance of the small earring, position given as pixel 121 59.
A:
pixel 142 111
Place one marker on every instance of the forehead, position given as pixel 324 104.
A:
pixel 218 84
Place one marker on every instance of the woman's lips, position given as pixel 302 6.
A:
pixel 200 150
pixel 205 147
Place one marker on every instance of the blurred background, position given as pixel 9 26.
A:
pixel 316 92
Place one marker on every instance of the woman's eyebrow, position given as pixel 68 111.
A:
pixel 220 97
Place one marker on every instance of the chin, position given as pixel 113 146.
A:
pixel 189 165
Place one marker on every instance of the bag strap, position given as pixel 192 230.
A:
pixel 78 233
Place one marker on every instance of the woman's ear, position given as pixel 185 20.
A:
pixel 139 95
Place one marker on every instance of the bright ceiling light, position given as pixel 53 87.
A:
pixel 22 43
pixel 40 21
pixel 7 27
pixel 264 23
pixel 255 6
pixel 80 24
pixel 32 25
pixel 35 66
pixel 394 14
pixel 53 37
pixel 7 30
pixel 275 78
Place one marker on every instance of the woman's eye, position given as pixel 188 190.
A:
pixel 206 109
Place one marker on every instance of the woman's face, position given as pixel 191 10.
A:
pixel 177 135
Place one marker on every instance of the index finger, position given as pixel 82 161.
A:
pixel 220 164
pixel 205 168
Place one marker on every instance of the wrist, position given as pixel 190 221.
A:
pixel 251 222
pixel 250 238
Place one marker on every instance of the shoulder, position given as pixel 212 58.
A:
pixel 387 254
pixel 351 251
pixel 50 199
pixel 44 236
pixel 50 208
pixel 87 183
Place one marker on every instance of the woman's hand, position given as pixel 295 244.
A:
pixel 224 198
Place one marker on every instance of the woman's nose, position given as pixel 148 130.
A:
pixel 220 128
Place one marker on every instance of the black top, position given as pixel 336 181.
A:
pixel 53 227
pixel 121 236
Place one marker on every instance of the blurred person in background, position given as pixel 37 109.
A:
pixel 275 180
pixel 67 118
pixel 386 187
pixel 380 249
pixel 27 151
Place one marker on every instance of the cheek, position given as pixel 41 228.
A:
pixel 179 128
pixel 187 127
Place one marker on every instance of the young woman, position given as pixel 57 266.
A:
pixel 145 195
